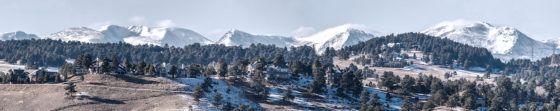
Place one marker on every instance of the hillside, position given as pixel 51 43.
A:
pixel 105 92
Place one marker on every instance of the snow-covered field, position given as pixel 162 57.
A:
pixel 5 67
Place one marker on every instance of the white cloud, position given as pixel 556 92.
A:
pixel 165 23
pixel 303 31
pixel 138 20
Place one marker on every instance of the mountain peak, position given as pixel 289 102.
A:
pixel 236 37
pixel 504 42
pixel 17 35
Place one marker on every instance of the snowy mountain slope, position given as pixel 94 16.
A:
pixel 135 35
pixel 337 37
pixel 504 42
pixel 553 42
pixel 82 34
pixel 178 37
pixel 18 35
pixel 240 38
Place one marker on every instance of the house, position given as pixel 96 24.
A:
pixel 20 75
pixel 33 75
pixel 80 70
pixel 277 72
pixel 96 67
pixel 333 74
pixel 251 67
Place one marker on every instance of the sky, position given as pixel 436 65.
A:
pixel 539 19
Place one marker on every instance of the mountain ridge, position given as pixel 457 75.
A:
pixel 505 42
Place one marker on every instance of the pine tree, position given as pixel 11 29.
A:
pixel 105 67
pixel 497 104
pixel 217 100
pixel 318 82
pixel 87 61
pixel 227 107
pixel 114 63
pixel 279 60
pixel 172 71
pixel 364 97
pixel 288 95
pixel 209 71
pixel 207 84
pixel 194 70
pixel 127 65
pixel 222 68
pixel 70 89
pixel 140 68
pixel 258 84
pixel 488 71
pixel 406 106
pixel 407 84
pixel 42 75
pixel 198 93
pixel 240 108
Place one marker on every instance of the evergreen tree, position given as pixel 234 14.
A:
pixel 173 71
pixel 389 81
pixel 209 71
pixel 488 71
pixel 288 95
pixel 497 104
pixel 217 100
pixel 513 105
pixel 127 66
pixel 114 63
pixel 70 89
pixel 207 84
pixel 198 93
pixel 318 82
pixel 407 84
pixel 87 61
pixel 240 108
pixel 279 60
pixel 258 84
pixel 364 97
pixel 42 77
pixel 222 68
pixel 140 68
pixel 439 97
pixel 406 106
pixel 105 67
pixel 194 70
pixel 227 107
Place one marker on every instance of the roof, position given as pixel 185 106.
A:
pixel 18 71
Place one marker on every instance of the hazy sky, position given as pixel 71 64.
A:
pixel 539 19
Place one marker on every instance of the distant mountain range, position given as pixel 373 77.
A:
pixel 337 37
pixel 504 42
pixel 135 35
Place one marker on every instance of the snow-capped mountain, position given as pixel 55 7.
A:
pixel 504 42
pixel 82 34
pixel 337 37
pixel 236 37
pixel 135 35
pixel 18 35
pixel 159 36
